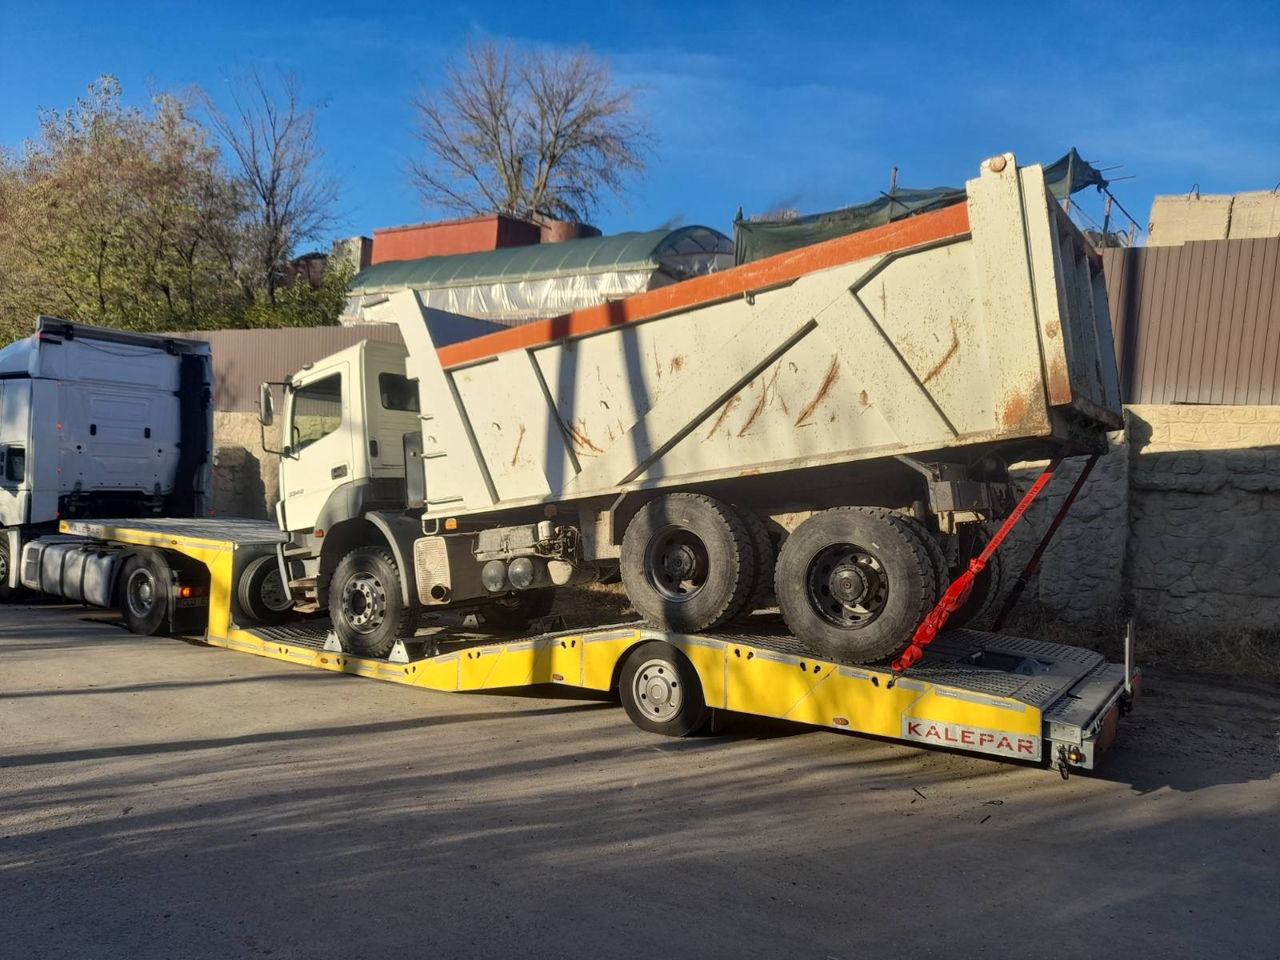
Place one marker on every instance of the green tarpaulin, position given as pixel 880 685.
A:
pixel 755 239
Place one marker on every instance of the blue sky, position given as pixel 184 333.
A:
pixel 754 104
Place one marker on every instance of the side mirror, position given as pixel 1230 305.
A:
pixel 266 406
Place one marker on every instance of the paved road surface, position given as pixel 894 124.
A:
pixel 164 799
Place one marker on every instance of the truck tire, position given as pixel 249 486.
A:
pixel 687 562
pixel 661 692
pixel 8 594
pixel 264 598
pixel 987 588
pixel 513 612
pixel 853 583
pixel 761 594
pixel 144 593
pixel 366 607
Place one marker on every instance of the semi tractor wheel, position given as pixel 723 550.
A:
pixel 366 606
pixel 687 562
pixel 515 611
pixel 661 692
pixel 854 583
pixel 7 563
pixel 262 594
pixel 144 593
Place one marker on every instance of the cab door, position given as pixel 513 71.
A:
pixel 15 406
pixel 319 452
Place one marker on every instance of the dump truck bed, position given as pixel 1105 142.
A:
pixel 980 324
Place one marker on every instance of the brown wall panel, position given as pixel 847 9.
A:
pixel 1197 323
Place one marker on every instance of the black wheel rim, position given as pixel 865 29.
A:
pixel 140 593
pixel 676 563
pixel 847 585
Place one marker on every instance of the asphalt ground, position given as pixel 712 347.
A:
pixel 160 798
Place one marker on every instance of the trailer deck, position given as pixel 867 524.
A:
pixel 979 692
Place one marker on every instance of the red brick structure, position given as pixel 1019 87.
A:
pixel 470 235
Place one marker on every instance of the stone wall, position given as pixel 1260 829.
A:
pixel 245 478
pixel 1204 517
pixel 1181 520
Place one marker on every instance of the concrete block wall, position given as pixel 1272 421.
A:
pixel 246 479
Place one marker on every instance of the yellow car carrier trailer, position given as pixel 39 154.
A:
pixel 972 691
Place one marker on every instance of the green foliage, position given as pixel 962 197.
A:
pixel 127 218
pixel 299 305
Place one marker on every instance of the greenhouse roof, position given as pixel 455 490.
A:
pixel 620 252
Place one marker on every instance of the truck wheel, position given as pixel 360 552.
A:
pixel 514 612
pixel 854 584
pixel 687 562
pixel 144 593
pixel 7 593
pixel 365 603
pixel 765 560
pixel 987 586
pixel 262 594
pixel 661 691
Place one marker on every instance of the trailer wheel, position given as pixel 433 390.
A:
pixel 853 584
pixel 144 593
pixel 687 562
pixel 661 692
pixel 365 603
pixel 513 612
pixel 263 596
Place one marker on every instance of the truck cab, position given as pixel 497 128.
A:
pixel 342 458
pixel 99 423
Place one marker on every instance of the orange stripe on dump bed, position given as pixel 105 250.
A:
pixel 926 228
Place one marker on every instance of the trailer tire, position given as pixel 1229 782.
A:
pixel 513 612
pixel 144 593
pixel 264 599
pixel 854 583
pixel 661 692
pixel 687 562
pixel 366 606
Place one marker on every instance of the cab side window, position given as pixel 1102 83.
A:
pixel 317 410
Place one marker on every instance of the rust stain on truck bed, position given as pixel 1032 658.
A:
pixel 955 345
pixel 519 440
pixel 724 412
pixel 833 374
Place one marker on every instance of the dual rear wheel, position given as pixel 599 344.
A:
pixel 852 583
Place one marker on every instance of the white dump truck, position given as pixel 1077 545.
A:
pixel 828 429
pixel 99 423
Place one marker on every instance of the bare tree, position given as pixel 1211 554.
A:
pixel 272 134
pixel 538 135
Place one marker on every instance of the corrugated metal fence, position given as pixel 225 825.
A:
pixel 242 359
pixel 1197 323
